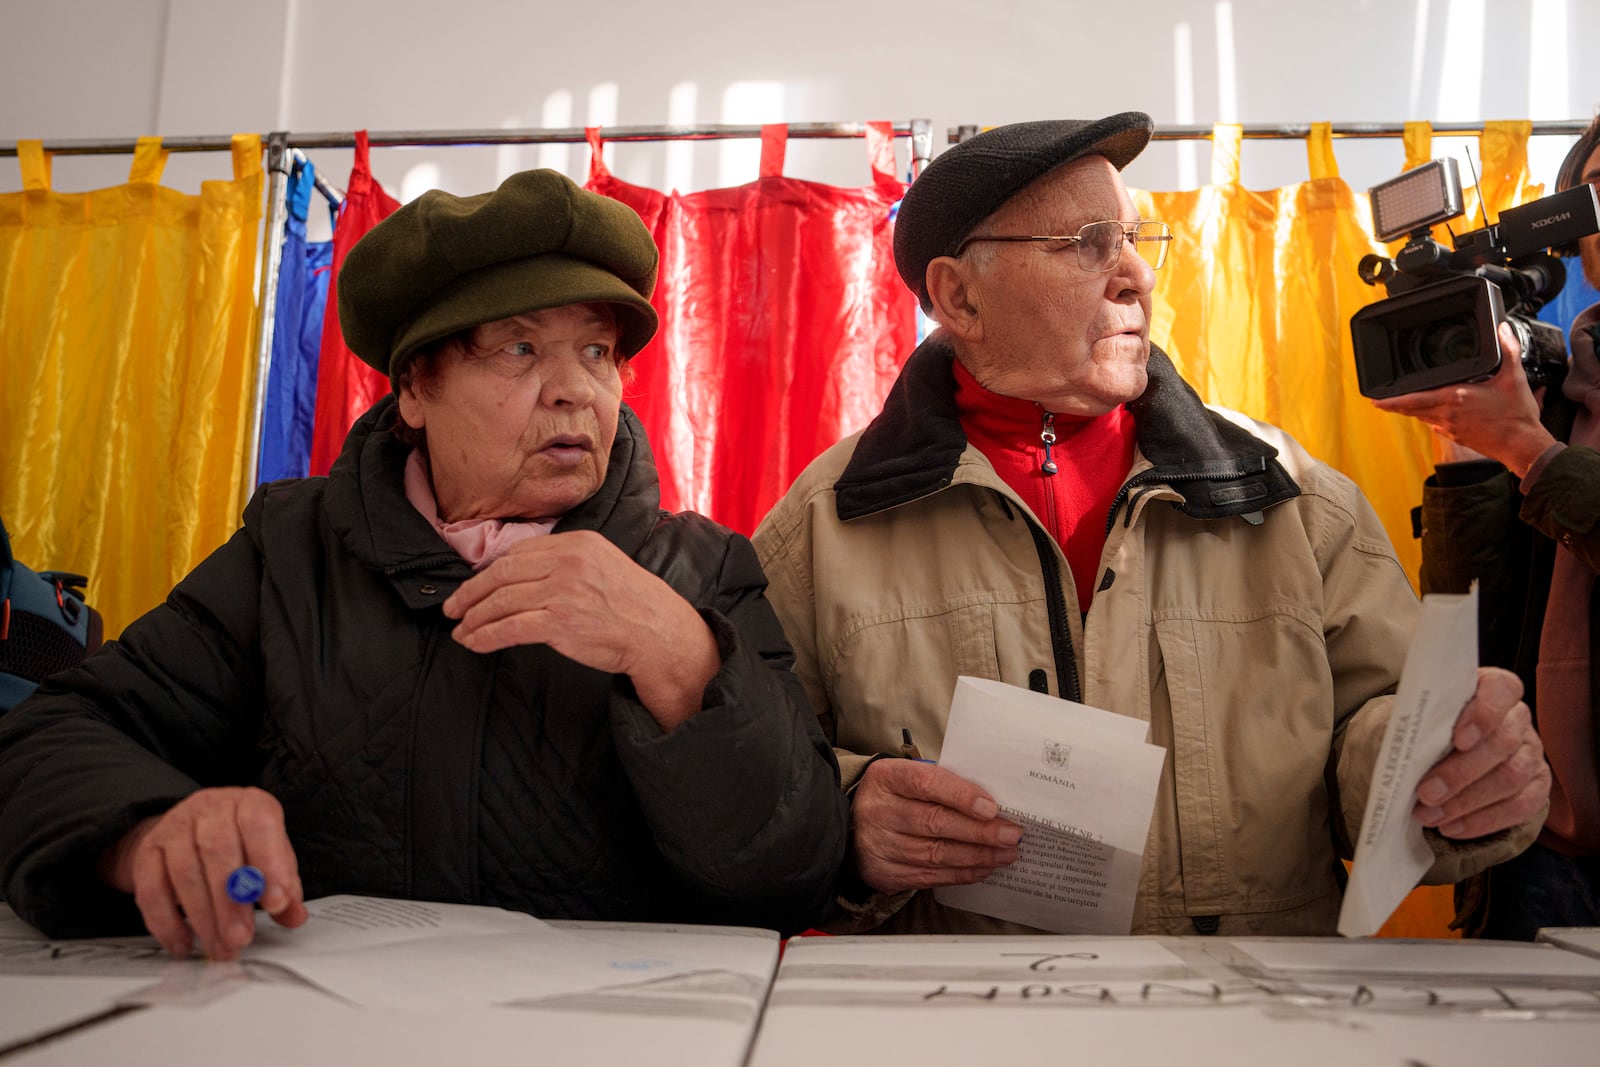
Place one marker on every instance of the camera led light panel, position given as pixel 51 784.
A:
pixel 1421 197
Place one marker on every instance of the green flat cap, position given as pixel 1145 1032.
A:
pixel 445 263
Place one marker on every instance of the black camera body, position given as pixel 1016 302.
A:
pixel 1438 325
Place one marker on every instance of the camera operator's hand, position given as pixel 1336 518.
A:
pixel 1495 776
pixel 1498 418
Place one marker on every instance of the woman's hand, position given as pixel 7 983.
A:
pixel 579 594
pixel 177 865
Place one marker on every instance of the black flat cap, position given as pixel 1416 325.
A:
pixel 445 263
pixel 967 182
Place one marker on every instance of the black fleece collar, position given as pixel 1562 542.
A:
pixel 911 449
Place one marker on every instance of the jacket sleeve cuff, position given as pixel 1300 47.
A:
pixel 726 689
pixel 859 908
pixel 60 891
pixel 1455 860
pixel 1532 477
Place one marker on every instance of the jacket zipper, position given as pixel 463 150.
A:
pixel 1056 608
pixel 1047 436
pixel 1155 474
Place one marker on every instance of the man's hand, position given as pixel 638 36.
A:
pixel 1496 777
pixel 917 825
pixel 177 865
pixel 579 594
pixel 1498 418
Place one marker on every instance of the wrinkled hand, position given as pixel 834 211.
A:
pixel 177 865
pixel 1496 777
pixel 1498 418
pixel 918 825
pixel 582 596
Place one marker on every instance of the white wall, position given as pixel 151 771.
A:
pixel 119 68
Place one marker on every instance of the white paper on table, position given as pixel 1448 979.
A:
pixel 1439 677
pixel 1584 939
pixel 417 955
pixel 32 1005
pixel 1444 961
pixel 1081 783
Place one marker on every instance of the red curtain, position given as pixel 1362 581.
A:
pixel 783 324
pixel 346 387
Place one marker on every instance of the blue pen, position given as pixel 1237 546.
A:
pixel 246 884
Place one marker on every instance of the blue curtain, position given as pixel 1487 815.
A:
pixel 296 339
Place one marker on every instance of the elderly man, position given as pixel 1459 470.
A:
pixel 1043 501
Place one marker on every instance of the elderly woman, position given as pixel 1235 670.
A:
pixel 477 663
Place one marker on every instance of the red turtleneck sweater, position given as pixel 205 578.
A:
pixel 1092 456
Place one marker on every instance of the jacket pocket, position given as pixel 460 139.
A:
pixel 899 673
pixel 1248 710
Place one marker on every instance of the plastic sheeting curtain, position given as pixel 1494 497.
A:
pixel 1254 307
pixel 291 401
pixel 1255 301
pixel 346 387
pixel 783 324
pixel 126 352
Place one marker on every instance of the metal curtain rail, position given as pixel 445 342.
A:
pixel 1301 130
pixel 332 193
pixel 920 131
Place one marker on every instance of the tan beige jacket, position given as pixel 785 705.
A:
pixel 1249 607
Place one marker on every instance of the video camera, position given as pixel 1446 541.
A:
pixel 1437 326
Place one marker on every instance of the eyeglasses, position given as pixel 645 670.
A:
pixel 1099 244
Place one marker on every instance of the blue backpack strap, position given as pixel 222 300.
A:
pixel 45 625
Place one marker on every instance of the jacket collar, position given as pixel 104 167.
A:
pixel 367 505
pixel 913 446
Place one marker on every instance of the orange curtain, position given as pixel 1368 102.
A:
pixel 127 355
pixel 1255 301
pixel 1254 308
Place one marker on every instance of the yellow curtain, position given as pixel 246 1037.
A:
pixel 1255 301
pixel 126 368
pixel 1254 308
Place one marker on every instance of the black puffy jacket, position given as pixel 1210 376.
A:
pixel 309 656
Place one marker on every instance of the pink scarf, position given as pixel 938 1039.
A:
pixel 478 541
pixel 1566 711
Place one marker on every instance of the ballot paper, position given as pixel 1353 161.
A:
pixel 1081 783
pixel 1439 677
pixel 377 952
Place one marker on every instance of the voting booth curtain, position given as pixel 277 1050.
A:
pixel 1254 308
pixel 126 357
pixel 346 386
pixel 126 329
pixel 1255 301
pixel 783 324
pixel 287 416
pixel 126 332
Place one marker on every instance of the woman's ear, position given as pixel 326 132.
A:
pixel 954 298
pixel 411 408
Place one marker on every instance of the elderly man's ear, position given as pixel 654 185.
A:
pixel 956 302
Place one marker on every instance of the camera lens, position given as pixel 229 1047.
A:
pixel 1428 336
pixel 1439 344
